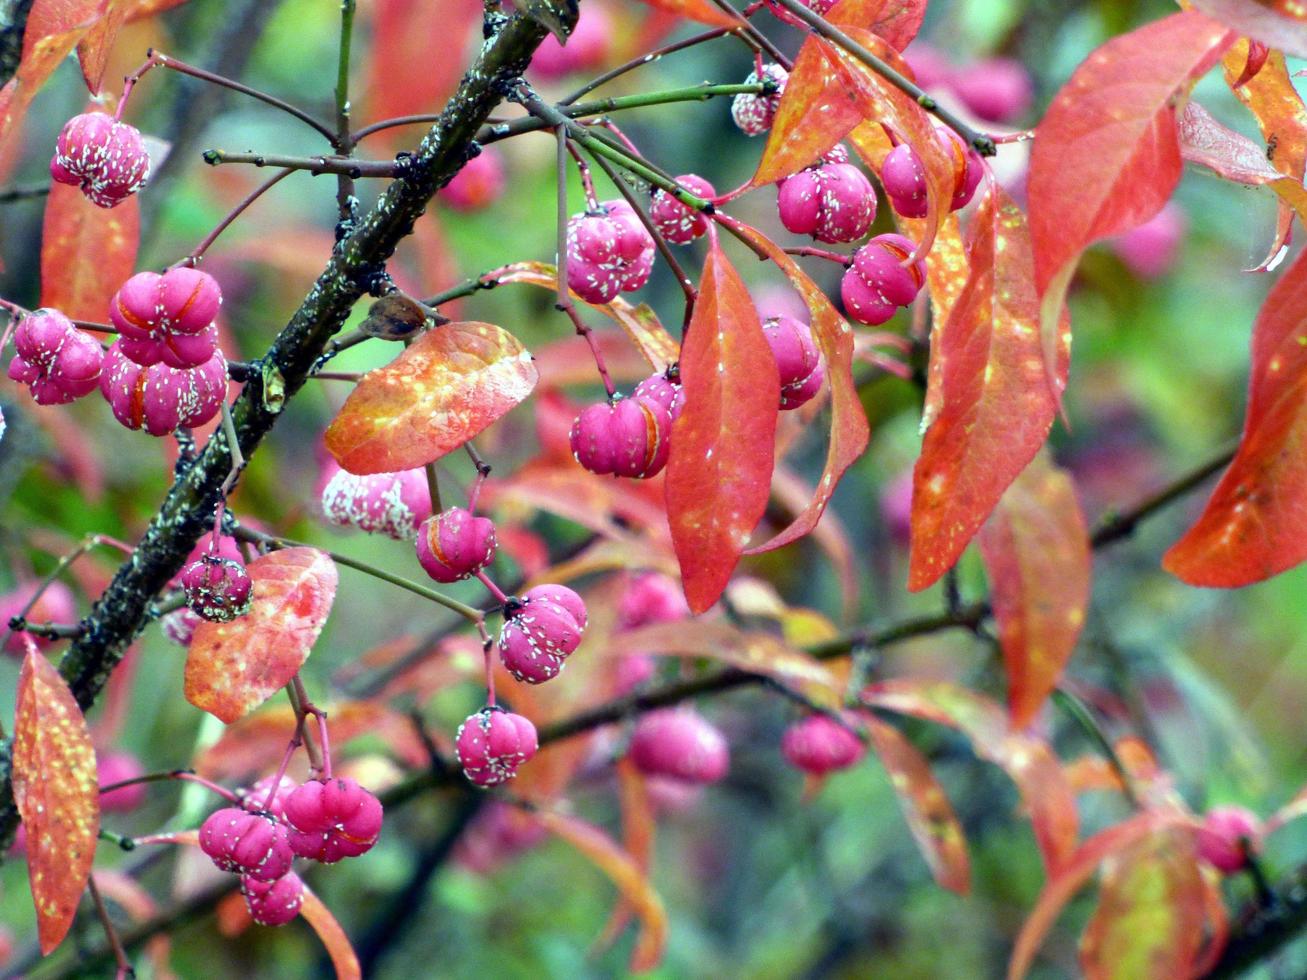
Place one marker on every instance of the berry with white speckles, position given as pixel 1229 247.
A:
pixel 625 438
pixel 455 544
pixel 608 251
pixel 541 630
pixel 478 184
pixel 675 221
pixel 754 114
pixel 680 743
pixel 160 398
pixel 662 391
pixel 246 843
pixel 393 504
pixel 798 360
pixel 217 589
pixel 259 797
pixel 167 317
pixel 832 202
pixel 332 819
pixel 273 903
pixel 492 744
pixel 105 159
pixel 903 175
pixel 1227 835
pixel 57 362
pixel 819 744
pixel 878 283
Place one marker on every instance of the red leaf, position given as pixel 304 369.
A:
pixel 57 795
pixel 333 937
pixel 1255 524
pixel 87 252
pixel 894 21
pixel 1278 24
pixel 619 866
pixel 1230 155
pixel 996 406
pixel 93 50
pixel 53 28
pixel 234 667
pixel 703 11
pixel 723 443
pixel 1028 760
pixel 638 828
pixel 1107 155
pixel 1036 553
pixel 930 816
pixel 849 429
pixel 445 388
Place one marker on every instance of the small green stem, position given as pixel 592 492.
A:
pixel 1082 716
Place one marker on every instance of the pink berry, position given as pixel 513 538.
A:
pixel 797 359
pixel 754 114
pixel 1224 834
pixel 56 605
pixel 54 359
pixel 492 744
pixel 168 317
pixel 541 630
pixel 331 820
pixel 217 589
pixel 674 220
pixel 179 626
pixel 586 49
pixel 968 167
pixel 631 671
pixel 997 89
pixel 680 743
pixel 115 767
pixel 454 544
pixel 819 744
pixel 608 251
pixel 160 398
pixel 651 598
pixel 625 438
pixel 832 202
pixel 930 66
pixel 1150 250
pixel 498 833
pixel 903 176
pixel 393 504
pixel 273 903
pixel 478 184
pixel 816 6
pixel 260 797
pixel 106 159
pixel 246 843
pixel 878 283
pixel 661 390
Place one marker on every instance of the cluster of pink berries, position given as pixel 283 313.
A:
pixel 322 820
pixel 995 89
pixel 106 159
pixel 675 221
pixel 57 362
pixel 629 436
pixel 877 283
pixel 833 201
pixel 608 252
pixel 903 175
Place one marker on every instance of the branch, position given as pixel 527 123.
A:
pixel 1264 929
pixel 1123 524
pixel 346 166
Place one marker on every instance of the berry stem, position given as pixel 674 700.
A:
pixel 93 327
pixel 492 588
pixel 820 253
pixel 346 202
pixel 587 182
pixel 197 253
pixel 317 166
pixel 149 777
pixel 110 933
pixel 187 776
pixel 319 755
pixel 483 471
pixel 488 645
pixel 752 36
pixel 648 59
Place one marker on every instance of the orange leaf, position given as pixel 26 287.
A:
pixel 449 385
pixel 93 49
pixel 1276 23
pixel 234 667
pixel 849 430
pixel 1028 760
pixel 638 828
pixel 1036 553
pixel 53 28
pixel 625 873
pixel 1106 156
pixel 723 443
pixel 996 406
pixel 930 816
pixel 703 11
pixel 332 935
pixel 87 252
pixel 894 21
pixel 1255 524
pixel 57 795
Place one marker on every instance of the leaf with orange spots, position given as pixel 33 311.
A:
pixel 703 11
pixel 625 873
pixel 1028 760
pixel 444 389
pixel 1278 24
pixel 87 252
pixel 996 408
pixel 1037 555
pixel 1255 523
pixel 234 667
pixel 57 795
pixel 343 958
pixel 1106 155
pixel 849 429
pixel 723 443
pixel 929 814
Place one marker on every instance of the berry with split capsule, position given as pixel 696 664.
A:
pixel 393 504
pixel 246 843
pixel 680 743
pixel 107 160
pixel 819 744
pixel 608 252
pixel 455 544
pixel 159 398
pixel 332 819
pixel 541 630
pixel 217 589
pixel 678 222
pixel 798 360
pixel 754 114
pixel 627 437
pixel 168 317
pixel 1227 836
pixel 662 391
pixel 491 744
pixel 878 283
pixel 903 175
pixel 833 202
pixel 57 362
pixel 273 903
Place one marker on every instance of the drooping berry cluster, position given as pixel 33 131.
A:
pixel 106 159
pixel 629 436
pixel 797 359
pixel 541 630
pixel 832 201
pixel 681 744
pixel 491 744
pixel 57 362
pixel 878 282
pixel 454 545
pixel 608 252
pixel 217 589
pixel 819 745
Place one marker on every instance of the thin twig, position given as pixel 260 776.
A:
pixel 125 968
pixel 317 166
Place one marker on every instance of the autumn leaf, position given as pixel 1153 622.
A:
pixel 1037 555
pixel 445 388
pixel 343 958
pixel 1106 155
pixel 234 667
pixel 94 48
pixel 896 22
pixel 996 408
pixel 625 873
pixel 87 252
pixel 723 443
pixel 1255 523
pixel 929 814
pixel 1278 24
pixel 638 827
pixel 57 795
pixel 703 11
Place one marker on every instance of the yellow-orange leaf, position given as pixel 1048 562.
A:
pixel 333 937
pixel 87 252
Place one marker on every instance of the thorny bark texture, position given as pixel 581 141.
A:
pixel 358 260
